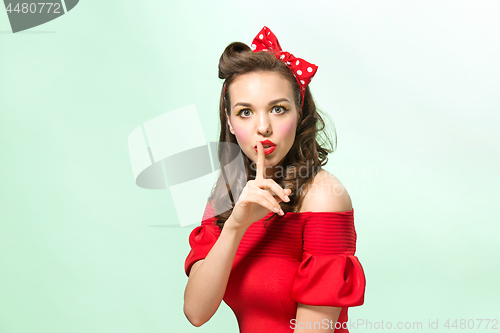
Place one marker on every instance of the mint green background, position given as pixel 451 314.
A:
pixel 411 86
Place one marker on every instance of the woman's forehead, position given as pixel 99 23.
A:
pixel 260 86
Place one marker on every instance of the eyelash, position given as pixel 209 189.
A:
pixel 279 106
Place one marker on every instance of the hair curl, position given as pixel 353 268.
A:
pixel 306 151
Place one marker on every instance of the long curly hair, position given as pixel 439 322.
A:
pixel 306 156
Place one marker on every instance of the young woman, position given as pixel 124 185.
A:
pixel 277 247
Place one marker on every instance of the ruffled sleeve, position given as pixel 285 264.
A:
pixel 329 274
pixel 202 238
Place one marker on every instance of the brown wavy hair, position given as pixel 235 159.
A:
pixel 307 154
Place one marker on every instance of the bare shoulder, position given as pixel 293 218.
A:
pixel 326 194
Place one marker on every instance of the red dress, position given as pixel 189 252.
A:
pixel 303 258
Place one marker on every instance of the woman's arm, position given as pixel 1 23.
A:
pixel 208 280
pixel 208 277
pixel 326 195
pixel 316 319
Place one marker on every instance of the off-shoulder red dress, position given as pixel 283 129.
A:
pixel 303 258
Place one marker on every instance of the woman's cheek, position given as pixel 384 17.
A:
pixel 242 135
pixel 287 129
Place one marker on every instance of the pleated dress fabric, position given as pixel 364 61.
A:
pixel 305 257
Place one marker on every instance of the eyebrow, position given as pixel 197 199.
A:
pixel 270 103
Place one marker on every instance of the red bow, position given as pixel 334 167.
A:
pixel 302 70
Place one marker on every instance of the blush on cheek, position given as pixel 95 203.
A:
pixel 241 134
pixel 286 128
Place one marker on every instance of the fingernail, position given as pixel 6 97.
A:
pixel 276 210
pixel 282 212
pixel 287 198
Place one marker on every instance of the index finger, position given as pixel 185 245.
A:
pixel 261 161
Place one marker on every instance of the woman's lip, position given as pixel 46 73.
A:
pixel 267 151
pixel 266 142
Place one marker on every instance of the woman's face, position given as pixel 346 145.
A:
pixel 262 108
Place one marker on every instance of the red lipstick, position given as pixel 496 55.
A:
pixel 270 149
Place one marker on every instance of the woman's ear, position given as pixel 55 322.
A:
pixel 229 122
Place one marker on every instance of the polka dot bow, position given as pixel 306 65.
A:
pixel 303 70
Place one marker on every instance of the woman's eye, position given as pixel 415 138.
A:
pixel 279 107
pixel 244 112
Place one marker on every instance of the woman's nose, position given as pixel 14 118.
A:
pixel 264 125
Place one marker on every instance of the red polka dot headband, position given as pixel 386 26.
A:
pixel 301 69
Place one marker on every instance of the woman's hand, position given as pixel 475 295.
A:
pixel 256 201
